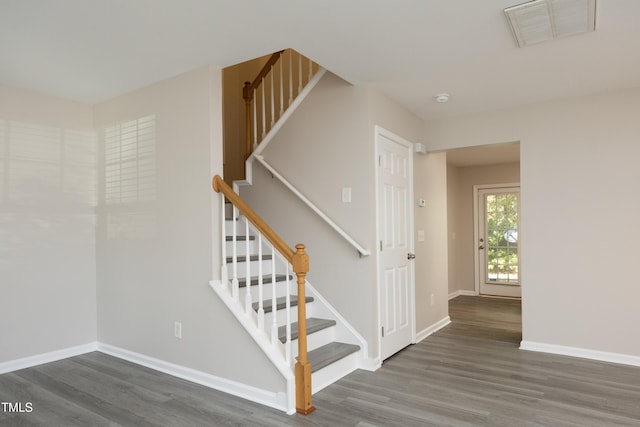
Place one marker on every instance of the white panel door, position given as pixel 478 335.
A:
pixel 394 200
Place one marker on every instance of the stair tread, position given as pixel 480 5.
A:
pixel 240 238
pixel 280 303
pixel 266 279
pixel 251 258
pixel 313 325
pixel 323 356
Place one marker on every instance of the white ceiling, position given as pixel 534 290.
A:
pixel 92 50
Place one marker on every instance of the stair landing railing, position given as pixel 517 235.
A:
pixel 273 90
pixel 299 260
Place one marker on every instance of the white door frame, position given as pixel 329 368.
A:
pixel 380 131
pixel 476 236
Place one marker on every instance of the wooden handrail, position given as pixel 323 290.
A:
pixel 300 262
pixel 247 94
pixel 220 186
pixel 249 87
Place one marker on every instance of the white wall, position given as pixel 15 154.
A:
pixel 429 177
pixel 47 223
pixel 157 256
pixel 233 79
pixel 431 255
pixel 579 181
pixel 326 145
pixel 462 246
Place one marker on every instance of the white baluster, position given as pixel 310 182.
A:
pixel 255 120
pixel 247 288
pixel 273 98
pixel 299 74
pixel 264 112
pixel 234 256
pixel 223 271
pixel 287 304
pixel 260 272
pixel 274 305
pixel 281 87
pixel 290 77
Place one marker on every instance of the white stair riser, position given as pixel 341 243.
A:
pixel 316 340
pixel 267 289
pixel 332 373
pixel 240 227
pixel 281 316
pixel 241 248
pixel 254 268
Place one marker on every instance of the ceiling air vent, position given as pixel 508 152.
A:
pixel 541 20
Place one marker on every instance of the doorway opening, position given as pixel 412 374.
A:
pixel 490 167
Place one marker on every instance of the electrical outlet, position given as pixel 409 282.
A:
pixel 420 235
pixel 177 330
pixel 433 299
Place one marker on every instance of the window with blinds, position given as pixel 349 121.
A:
pixel 130 161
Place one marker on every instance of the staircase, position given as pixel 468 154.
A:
pixel 323 347
pixel 263 280
pixel 264 291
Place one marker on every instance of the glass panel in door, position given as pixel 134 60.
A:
pixel 498 242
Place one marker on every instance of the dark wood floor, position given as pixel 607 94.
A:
pixel 470 373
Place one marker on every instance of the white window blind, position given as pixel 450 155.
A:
pixel 130 161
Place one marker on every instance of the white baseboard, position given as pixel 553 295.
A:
pixel 432 329
pixel 459 292
pixel 52 356
pixel 369 363
pixel 267 398
pixel 602 356
pixel 264 397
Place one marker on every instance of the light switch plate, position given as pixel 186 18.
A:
pixel 346 195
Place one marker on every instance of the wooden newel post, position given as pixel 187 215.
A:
pixel 248 97
pixel 303 368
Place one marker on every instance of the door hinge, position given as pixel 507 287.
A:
pixel 383 332
pixel 380 245
pixel 379 160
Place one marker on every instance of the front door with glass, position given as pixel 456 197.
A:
pixel 497 244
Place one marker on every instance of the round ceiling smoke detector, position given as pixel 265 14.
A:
pixel 442 97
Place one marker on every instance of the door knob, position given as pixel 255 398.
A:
pixel 411 256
